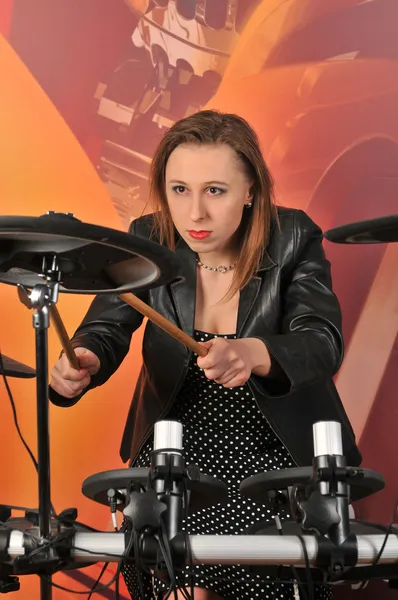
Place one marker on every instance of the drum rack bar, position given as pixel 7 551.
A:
pixel 224 549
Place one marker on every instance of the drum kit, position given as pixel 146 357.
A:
pixel 57 253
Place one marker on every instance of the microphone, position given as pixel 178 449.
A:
pixel 327 508
pixel 167 472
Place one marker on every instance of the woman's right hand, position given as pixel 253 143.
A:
pixel 68 382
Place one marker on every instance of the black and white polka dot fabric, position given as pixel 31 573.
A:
pixel 227 436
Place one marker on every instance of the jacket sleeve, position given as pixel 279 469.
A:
pixel 106 330
pixel 309 347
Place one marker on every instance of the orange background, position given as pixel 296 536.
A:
pixel 318 81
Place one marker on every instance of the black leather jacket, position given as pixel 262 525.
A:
pixel 289 304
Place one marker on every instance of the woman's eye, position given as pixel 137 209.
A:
pixel 179 189
pixel 215 191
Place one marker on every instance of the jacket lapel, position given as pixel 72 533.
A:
pixel 250 292
pixel 183 291
pixel 247 298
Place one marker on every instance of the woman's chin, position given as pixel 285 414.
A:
pixel 200 245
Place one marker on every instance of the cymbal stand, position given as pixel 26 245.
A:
pixel 40 299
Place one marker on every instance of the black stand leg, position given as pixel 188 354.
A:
pixel 40 299
pixel 43 422
pixel 41 324
pixel 45 587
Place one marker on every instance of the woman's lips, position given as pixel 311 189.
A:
pixel 199 235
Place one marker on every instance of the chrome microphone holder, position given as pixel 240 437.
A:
pixel 162 504
pixel 325 506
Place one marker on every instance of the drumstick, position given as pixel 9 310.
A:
pixel 163 323
pixel 64 338
pixel 142 308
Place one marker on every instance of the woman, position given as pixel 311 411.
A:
pixel 256 291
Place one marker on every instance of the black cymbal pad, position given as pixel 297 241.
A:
pixel 13 368
pixel 257 486
pixel 91 259
pixel 371 231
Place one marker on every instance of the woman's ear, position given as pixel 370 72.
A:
pixel 249 197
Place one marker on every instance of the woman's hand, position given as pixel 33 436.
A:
pixel 231 362
pixel 68 382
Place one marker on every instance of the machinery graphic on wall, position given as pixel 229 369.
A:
pixel 308 76
pixel 179 53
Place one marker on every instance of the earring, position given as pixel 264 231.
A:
pixel 248 205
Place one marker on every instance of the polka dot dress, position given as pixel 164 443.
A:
pixel 226 435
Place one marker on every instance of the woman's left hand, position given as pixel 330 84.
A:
pixel 231 362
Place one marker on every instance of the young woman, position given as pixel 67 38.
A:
pixel 256 291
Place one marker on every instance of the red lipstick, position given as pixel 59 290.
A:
pixel 199 235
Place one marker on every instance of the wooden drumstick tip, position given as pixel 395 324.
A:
pixel 64 338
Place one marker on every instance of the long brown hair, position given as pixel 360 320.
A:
pixel 213 127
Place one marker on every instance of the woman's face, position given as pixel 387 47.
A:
pixel 206 189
